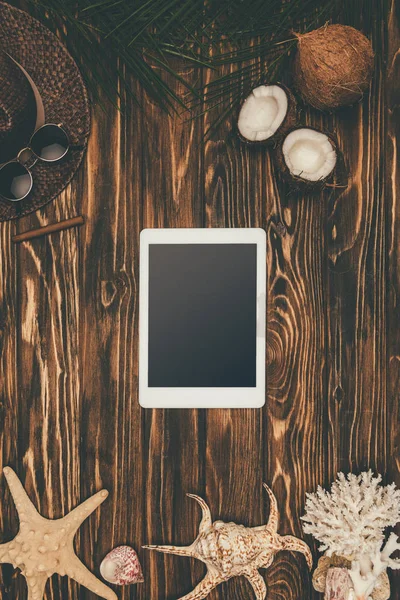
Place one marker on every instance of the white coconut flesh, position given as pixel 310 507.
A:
pixel 263 112
pixel 309 154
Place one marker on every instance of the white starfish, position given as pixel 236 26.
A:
pixel 230 550
pixel 43 547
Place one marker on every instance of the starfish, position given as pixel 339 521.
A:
pixel 43 547
pixel 230 550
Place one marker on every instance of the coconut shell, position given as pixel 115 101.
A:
pixel 305 184
pixel 288 122
pixel 333 66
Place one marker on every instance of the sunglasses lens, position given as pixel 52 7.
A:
pixel 15 181
pixel 50 143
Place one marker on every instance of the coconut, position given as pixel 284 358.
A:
pixel 333 66
pixel 308 156
pixel 267 111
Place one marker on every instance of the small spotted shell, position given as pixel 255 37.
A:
pixel 121 566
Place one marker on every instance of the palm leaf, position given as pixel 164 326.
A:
pixel 155 39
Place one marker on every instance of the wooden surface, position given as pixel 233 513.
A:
pixel 70 422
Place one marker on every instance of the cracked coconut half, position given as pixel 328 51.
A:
pixel 308 155
pixel 265 112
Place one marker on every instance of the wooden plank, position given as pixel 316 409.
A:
pixel 112 422
pixel 47 400
pixel 8 386
pixel 241 191
pixel 392 187
pixel 357 281
pixel 47 360
pixel 233 485
pixel 295 410
pixel 172 155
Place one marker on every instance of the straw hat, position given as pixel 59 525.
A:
pixel 33 61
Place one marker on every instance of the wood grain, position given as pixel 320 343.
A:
pixel 8 385
pixel 357 281
pixel 175 451
pixel 233 198
pixel 392 181
pixel 70 422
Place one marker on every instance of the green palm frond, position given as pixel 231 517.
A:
pixel 154 41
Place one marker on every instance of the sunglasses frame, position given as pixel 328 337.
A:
pixel 59 126
pixel 19 161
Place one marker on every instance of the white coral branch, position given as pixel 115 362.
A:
pixel 351 518
pixel 366 572
pixel 363 584
pixel 391 546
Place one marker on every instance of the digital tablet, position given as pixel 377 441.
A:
pixel 202 318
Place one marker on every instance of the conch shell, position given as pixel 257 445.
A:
pixel 121 566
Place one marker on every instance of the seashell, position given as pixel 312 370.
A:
pixel 338 584
pixel 121 566
pixel 326 563
pixel 232 550
pixel 322 579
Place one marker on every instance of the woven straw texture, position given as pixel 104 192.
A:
pixel 17 109
pixel 65 100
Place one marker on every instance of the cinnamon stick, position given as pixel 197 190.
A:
pixel 54 227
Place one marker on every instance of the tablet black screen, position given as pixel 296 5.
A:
pixel 202 315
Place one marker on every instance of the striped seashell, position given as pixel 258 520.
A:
pixel 338 584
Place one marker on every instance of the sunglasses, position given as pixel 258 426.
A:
pixel 49 144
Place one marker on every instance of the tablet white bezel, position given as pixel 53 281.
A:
pixel 207 397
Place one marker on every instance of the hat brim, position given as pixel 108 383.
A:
pixel 65 101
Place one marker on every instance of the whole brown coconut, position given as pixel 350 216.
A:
pixel 333 66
